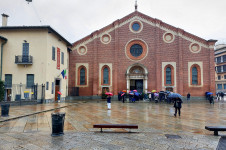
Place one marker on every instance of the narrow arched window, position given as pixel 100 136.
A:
pixel 168 76
pixel 82 76
pixel 194 75
pixel 106 76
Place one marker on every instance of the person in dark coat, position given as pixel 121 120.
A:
pixel 222 95
pixel 119 96
pixel 109 102
pixel 177 105
pixel 152 96
pixel 188 96
pixel 211 99
pixel 123 97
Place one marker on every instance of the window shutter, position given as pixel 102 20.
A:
pixel 8 80
pixel 53 53
pixel 62 58
pixel 47 85
pixel 52 87
pixel 30 80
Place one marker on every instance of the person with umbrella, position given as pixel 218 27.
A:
pixel 109 99
pixel 210 97
pixel 177 105
pixel 123 97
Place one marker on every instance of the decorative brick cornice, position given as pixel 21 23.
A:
pixel 147 19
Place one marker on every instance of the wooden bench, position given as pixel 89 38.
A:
pixel 128 126
pixel 215 129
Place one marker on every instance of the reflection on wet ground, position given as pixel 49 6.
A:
pixel 158 128
pixel 81 117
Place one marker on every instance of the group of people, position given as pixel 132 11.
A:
pixel 159 96
pixel 133 96
pixel 177 103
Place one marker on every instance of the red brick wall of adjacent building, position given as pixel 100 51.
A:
pixel 158 51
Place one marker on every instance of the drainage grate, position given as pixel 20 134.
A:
pixel 171 136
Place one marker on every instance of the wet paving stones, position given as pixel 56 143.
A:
pixel 155 121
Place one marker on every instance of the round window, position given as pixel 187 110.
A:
pixel 136 50
pixel 136 26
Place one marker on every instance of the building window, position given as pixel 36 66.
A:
pixel 106 76
pixel 53 53
pixel 218 69
pixel 82 76
pixel 224 58
pixel 30 80
pixel 52 87
pixel 8 80
pixel 219 86
pixel 136 50
pixel 25 54
pixel 219 77
pixel 219 59
pixel 168 75
pixel 224 86
pixel 47 85
pixel 224 68
pixel 194 76
pixel 136 26
pixel 224 76
pixel 62 57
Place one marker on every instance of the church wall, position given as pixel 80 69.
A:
pixel 177 52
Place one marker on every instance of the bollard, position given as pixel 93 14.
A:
pixel 5 110
pixel 58 123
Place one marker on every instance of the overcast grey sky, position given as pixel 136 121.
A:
pixel 75 19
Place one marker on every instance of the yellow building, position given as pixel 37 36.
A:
pixel 33 61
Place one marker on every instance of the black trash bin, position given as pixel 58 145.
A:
pixel 58 123
pixel 5 110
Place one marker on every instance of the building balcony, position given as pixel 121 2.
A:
pixel 23 59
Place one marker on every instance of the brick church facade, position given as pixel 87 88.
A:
pixel 143 53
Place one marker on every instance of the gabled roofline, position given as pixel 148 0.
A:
pixel 155 22
pixel 36 27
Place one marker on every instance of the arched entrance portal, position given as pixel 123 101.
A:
pixel 137 76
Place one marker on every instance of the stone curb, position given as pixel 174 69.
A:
pixel 13 118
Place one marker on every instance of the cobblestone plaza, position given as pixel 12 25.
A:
pixel 158 128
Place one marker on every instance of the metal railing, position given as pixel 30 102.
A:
pixel 23 59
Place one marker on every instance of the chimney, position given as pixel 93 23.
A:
pixel 4 20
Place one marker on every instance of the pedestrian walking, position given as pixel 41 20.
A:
pixel 149 96
pixel 218 96
pixel 123 97
pixel 222 95
pixel 109 102
pixel 119 96
pixel 177 105
pixel 211 100
pixel 188 96
pixel 152 96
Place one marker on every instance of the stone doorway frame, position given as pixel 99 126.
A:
pixel 143 75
